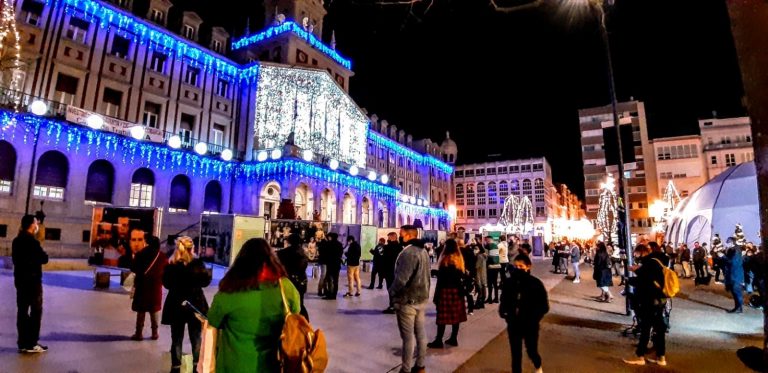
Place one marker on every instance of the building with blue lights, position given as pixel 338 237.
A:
pixel 109 108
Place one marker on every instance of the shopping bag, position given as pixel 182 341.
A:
pixel 207 359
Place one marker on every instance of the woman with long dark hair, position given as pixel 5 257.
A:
pixel 602 272
pixel 249 312
pixel 449 294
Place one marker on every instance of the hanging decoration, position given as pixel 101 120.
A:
pixel 607 213
pixel 516 215
pixel 312 107
pixel 10 49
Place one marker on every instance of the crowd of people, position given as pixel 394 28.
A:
pixel 248 307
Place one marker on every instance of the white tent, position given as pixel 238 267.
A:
pixel 728 199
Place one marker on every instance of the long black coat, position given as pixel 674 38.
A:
pixel 602 270
pixel 184 283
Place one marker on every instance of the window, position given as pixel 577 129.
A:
pixel 191 75
pixel 142 185
pixel 470 214
pixel 86 237
pixel 713 160
pixel 592 192
pixel 52 234
pixel 527 187
pixel 157 16
pixel 525 168
pixel 514 169
pixel 503 191
pixel 151 114
pixel 99 182
pixel 66 88
pixel 665 175
pixel 459 173
pixel 539 190
pixel 185 128
pixel 469 173
pixel 538 167
pixel 459 194
pixel 52 174
pixel 32 11
pixel 78 29
pixel 180 194
pixel 222 87
pixel 502 170
pixel 212 202
pixel 480 194
pixel 493 196
pixel 216 46
pixel 217 135
pixel 490 171
pixel 7 166
pixel 3 230
pixel 730 159
pixel 540 211
pixel 470 195
pixel 491 213
pixel 120 46
pixel 481 213
pixel 480 172
pixel 112 101
pixel 459 214
pixel 188 32
pixel 157 63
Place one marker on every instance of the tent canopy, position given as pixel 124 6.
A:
pixel 728 199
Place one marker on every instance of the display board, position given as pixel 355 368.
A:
pixel 222 236
pixel 368 240
pixel 111 228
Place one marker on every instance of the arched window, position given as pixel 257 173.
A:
pixel 100 182
pixel 212 202
pixel 142 188
pixel 180 194
pixel 480 193
pixel 503 191
pixel 493 196
pixel 539 190
pixel 7 166
pixel 470 195
pixel 460 194
pixel 51 178
pixel 527 189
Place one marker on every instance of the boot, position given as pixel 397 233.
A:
pixel 138 335
pixel 155 336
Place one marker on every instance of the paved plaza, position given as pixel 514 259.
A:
pixel 87 331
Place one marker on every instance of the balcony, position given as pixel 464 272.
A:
pixel 19 101
pixel 732 145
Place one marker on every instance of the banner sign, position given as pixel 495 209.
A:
pixel 80 116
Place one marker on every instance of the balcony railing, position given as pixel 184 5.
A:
pixel 20 101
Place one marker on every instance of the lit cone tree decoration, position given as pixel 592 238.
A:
pixel 607 213
pixel 671 199
pixel 10 50
pixel 517 215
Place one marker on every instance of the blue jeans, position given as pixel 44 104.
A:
pixel 738 295
pixel 177 337
pixel 576 270
pixel 410 321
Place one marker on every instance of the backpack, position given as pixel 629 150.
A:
pixel 301 349
pixel 671 283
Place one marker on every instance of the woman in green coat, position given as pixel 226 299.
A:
pixel 248 310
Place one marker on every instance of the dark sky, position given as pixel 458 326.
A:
pixel 511 84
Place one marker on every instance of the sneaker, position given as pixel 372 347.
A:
pixel 660 361
pixel 576 281
pixel 470 313
pixel 34 350
pixel 637 360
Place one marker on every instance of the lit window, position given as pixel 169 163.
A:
pixel 78 29
pixel 5 186
pixel 141 195
pixel 48 192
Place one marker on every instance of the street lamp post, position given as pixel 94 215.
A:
pixel 620 179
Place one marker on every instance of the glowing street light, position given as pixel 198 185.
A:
pixel 38 107
pixel 226 155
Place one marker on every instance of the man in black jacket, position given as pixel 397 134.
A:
pixel 523 304
pixel 353 254
pixel 334 251
pixel 28 259
pixel 649 303
pixel 378 254
pixel 295 261
pixel 390 252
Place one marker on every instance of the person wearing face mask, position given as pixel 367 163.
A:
pixel 524 303
pixel 28 259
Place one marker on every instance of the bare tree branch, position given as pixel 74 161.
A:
pixel 515 8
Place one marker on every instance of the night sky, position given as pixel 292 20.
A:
pixel 511 84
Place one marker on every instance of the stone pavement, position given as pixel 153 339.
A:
pixel 583 335
pixel 87 330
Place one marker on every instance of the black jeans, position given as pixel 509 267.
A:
pixel 652 317
pixel 528 332
pixel 374 272
pixel 29 301
pixel 699 266
pixel 332 282
pixel 177 337
pixel 493 283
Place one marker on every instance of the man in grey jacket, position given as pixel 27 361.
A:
pixel 409 293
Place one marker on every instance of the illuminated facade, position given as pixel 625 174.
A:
pixel 140 115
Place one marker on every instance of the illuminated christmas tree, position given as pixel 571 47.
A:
pixel 10 50
pixel 607 213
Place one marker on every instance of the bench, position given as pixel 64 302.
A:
pixel 102 275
